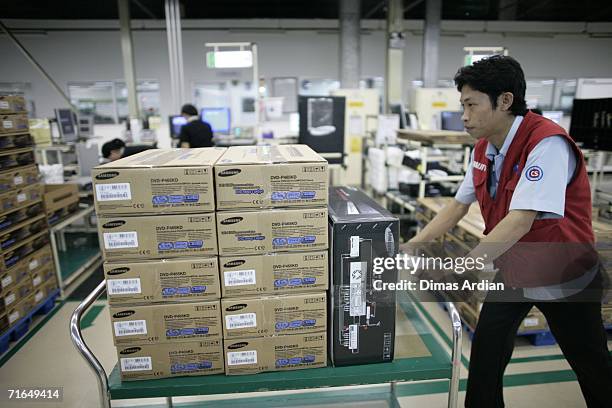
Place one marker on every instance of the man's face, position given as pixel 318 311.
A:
pixel 479 117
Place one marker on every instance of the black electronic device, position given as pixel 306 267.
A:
pixel 591 124
pixel 67 125
pixel 322 125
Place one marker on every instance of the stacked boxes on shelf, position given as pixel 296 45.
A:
pixel 27 275
pixel 273 240
pixel 158 236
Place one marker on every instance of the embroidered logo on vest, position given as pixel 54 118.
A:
pixel 479 166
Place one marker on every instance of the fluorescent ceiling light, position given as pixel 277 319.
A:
pixel 229 59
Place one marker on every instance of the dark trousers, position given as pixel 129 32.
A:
pixel 578 329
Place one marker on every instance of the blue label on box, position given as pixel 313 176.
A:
pixel 173 333
pixel 204 364
pixel 278 196
pixel 187 332
pixel 308 281
pixel 279 241
pixel 309 358
pixel 293 195
pixel 282 362
pixel 309 239
pixel 185 290
pixel 295 281
pixel 308 194
pixel 181 245
pixel 164 246
pixel 294 240
pixel 196 244
pixel 281 325
pixel 255 238
pixel 295 360
pixel 176 199
pixel 295 324
pixel 309 322
pixel 279 283
pixel 158 200
pixel 198 289
pixel 168 291
pixel 201 330
pixel 192 198
pixel 191 367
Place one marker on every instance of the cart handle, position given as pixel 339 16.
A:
pixel 79 343
pixel 453 394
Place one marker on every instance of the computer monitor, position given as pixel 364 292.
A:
pixel 176 123
pixel 218 118
pixel 452 121
pixel 67 125
pixel 555 116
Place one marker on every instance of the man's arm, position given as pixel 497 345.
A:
pixel 184 138
pixel 446 219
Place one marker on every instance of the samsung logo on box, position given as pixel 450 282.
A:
pixel 123 313
pixel 130 350
pixel 233 308
pixel 233 264
pixel 114 224
pixel 229 172
pixel 238 345
pixel 118 271
pixel 107 175
pixel 232 220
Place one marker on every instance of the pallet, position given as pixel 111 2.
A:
pixel 19 330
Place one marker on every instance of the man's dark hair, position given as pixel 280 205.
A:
pixel 494 76
pixel 189 109
pixel 108 147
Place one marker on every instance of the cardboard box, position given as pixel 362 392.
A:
pixel 22 249
pixel 280 353
pixel 24 197
pixel 12 158
pixel 166 323
pixel 44 291
pixel 18 178
pixel 16 234
pixel 20 310
pixel 20 291
pixel 534 321
pixel 362 318
pixel 152 361
pixel 8 141
pixel 59 196
pixel 14 123
pixel 12 104
pixel 166 280
pixel 157 237
pixel 271 176
pixel 157 181
pixel 274 274
pixel 258 232
pixel 274 315
pixel 40 130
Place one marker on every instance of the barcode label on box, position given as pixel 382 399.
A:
pixel 130 328
pixel 13 317
pixel 9 299
pixel 21 197
pixel 136 364
pixel 353 336
pixel 7 124
pixel 242 357
pixel 33 264
pixel 4 105
pixel 357 289
pixel 38 296
pixel 239 278
pixel 7 280
pixel 354 246
pixel 113 192
pixel 123 286
pixel 531 321
pixel 351 208
pixel 116 240
pixel 18 180
pixel 36 281
pixel 241 321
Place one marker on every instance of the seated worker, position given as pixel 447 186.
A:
pixel 195 133
pixel 116 149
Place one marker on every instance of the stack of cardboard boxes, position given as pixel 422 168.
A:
pixel 27 274
pixel 272 234
pixel 157 231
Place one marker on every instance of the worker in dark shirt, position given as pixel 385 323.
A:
pixel 195 133
pixel 117 149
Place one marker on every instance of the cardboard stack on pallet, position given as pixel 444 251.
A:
pixel 272 234
pixel 27 274
pixel 158 237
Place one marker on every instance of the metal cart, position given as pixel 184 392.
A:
pixel 436 366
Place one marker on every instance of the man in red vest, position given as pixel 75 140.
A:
pixel 531 184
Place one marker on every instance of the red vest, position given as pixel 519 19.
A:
pixel 554 250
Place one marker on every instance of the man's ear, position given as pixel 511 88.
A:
pixel 505 100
